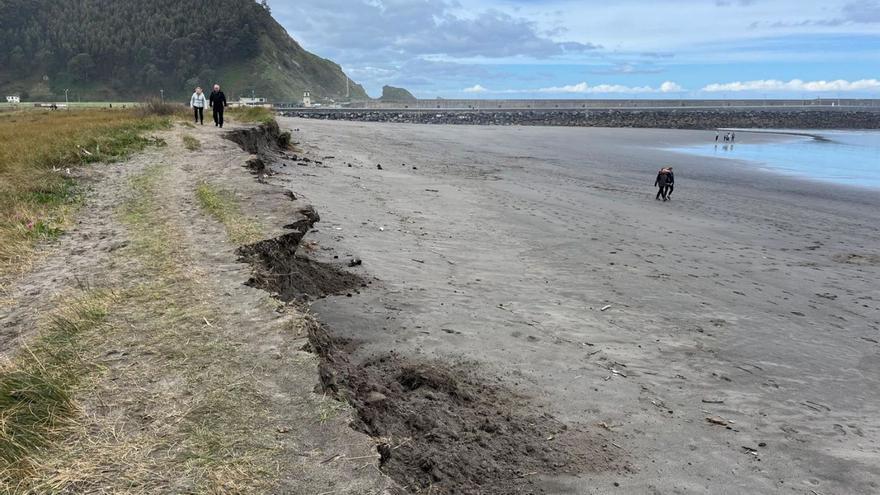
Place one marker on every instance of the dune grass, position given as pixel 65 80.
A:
pixel 251 115
pixel 36 388
pixel 38 159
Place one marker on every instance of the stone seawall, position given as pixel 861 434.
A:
pixel 668 118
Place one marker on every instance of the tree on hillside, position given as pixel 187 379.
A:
pixel 81 67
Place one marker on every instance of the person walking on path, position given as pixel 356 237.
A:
pixel 662 183
pixel 218 103
pixel 197 101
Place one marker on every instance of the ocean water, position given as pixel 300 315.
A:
pixel 843 157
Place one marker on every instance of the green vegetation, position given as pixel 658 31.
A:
pixel 102 54
pixel 223 206
pixel 38 158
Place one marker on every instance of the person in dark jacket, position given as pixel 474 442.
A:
pixel 662 183
pixel 670 182
pixel 217 100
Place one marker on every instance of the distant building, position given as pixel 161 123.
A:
pixel 244 101
pixel 13 99
pixel 307 99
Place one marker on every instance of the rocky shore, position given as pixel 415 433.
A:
pixel 665 118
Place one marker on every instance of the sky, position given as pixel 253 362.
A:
pixel 597 49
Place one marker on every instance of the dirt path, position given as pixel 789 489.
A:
pixel 192 381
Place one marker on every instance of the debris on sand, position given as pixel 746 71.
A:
pixel 717 420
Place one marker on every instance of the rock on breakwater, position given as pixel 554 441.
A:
pixel 665 118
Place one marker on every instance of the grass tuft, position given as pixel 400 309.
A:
pixel 191 143
pixel 223 206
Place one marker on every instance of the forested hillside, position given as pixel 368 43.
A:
pixel 130 49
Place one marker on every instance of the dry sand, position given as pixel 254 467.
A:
pixel 750 298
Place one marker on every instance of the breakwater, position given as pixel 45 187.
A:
pixel 656 118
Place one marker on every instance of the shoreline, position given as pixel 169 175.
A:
pixel 823 166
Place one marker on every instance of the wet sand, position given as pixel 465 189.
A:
pixel 540 256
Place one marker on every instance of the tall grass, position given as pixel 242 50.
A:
pixel 37 192
pixel 157 107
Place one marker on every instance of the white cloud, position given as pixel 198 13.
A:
pixel 795 85
pixel 475 89
pixel 584 88
pixel 670 87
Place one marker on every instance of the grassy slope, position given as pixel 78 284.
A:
pixel 284 70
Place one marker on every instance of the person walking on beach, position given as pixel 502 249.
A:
pixel 662 183
pixel 670 182
pixel 732 137
pixel 716 137
pixel 197 102
pixel 217 101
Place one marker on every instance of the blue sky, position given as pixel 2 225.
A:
pixel 597 49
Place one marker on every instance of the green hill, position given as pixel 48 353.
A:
pixel 132 49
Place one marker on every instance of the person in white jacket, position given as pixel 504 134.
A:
pixel 197 101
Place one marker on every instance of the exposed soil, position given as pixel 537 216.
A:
pixel 279 270
pixel 446 429
pixel 259 140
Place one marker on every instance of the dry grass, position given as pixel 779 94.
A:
pixel 164 401
pixel 37 193
pixel 36 405
pixel 191 143
pixel 223 205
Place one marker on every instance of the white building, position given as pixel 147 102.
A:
pixel 307 99
pixel 13 99
pixel 251 101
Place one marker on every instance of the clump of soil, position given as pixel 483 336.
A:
pixel 445 429
pixel 279 270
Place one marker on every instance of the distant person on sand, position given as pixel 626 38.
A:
pixel 197 101
pixel 670 182
pixel 662 183
pixel 218 103
pixel 716 136
pixel 732 137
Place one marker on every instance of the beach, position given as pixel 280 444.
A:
pixel 725 341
